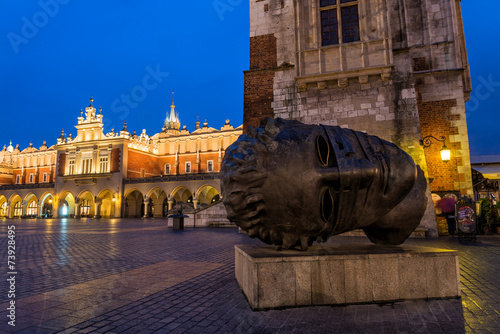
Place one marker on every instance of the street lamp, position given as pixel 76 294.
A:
pixel 445 151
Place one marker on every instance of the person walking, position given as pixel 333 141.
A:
pixel 447 205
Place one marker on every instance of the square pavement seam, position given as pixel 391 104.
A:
pixel 136 276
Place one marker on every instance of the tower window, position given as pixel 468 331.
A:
pixel 71 170
pixel 103 165
pixel 339 16
pixel 188 167
pixel 87 166
pixel 210 166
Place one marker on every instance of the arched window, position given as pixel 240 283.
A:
pixel 32 209
pixel 18 209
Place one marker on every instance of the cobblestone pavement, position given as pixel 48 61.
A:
pixel 137 276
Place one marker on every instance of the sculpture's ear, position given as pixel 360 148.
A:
pixel 270 126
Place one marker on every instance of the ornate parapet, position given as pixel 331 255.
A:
pixel 26 186
pixel 173 178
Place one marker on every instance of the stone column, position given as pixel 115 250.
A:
pixel 170 202
pixel 146 207
pixel 77 210
pixel 116 213
pixel 78 162
pixel 24 208
pixel 154 207
pixel 55 207
pixel 39 213
pixel 95 162
pixel 97 213
pixel 9 210
pixel 195 203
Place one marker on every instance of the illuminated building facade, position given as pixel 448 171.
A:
pixel 116 174
pixel 32 170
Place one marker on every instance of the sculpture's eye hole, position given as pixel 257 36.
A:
pixel 327 206
pixel 323 150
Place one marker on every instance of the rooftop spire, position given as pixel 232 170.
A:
pixel 172 121
pixel 172 110
pixel 10 149
pixel 125 126
pixel 61 138
pixel 91 100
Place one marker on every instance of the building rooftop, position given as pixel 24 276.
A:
pixel 485 159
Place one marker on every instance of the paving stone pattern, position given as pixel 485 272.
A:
pixel 138 276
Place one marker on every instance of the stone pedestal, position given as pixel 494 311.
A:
pixel 344 274
pixel 178 223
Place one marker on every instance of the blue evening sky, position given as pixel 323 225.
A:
pixel 129 55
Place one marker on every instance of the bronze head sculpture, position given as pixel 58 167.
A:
pixel 291 184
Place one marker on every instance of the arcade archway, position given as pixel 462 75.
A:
pixel 67 205
pixel 107 204
pixel 16 206
pixel 134 205
pixel 47 201
pixel 31 206
pixel 207 195
pixel 182 195
pixel 157 200
pixel 4 209
pixel 87 207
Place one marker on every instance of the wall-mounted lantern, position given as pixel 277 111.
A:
pixel 445 151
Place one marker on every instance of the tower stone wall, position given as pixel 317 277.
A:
pixel 406 78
